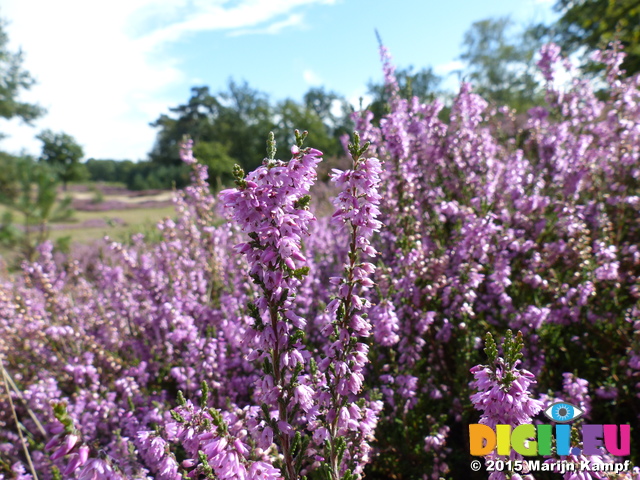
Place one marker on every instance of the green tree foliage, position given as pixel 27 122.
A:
pixel 107 170
pixel 151 176
pixel 216 157
pixel 244 123
pixel 290 116
pixel 231 123
pixel 424 84
pixel 14 80
pixel 332 109
pixel 8 174
pixel 138 176
pixel 195 119
pixel 63 154
pixel 501 64
pixel 595 23
pixel 230 126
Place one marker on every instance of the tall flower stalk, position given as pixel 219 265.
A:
pixel 503 394
pixel 349 420
pixel 271 206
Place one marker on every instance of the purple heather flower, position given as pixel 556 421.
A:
pixel 549 55
pixel 503 394
pixel 385 324
pixel 499 404
pixel 344 356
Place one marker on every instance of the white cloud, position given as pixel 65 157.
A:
pixel 216 15
pixel 311 78
pixel 293 20
pixel 449 67
pixel 98 67
pixel 448 70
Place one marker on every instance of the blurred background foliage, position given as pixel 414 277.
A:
pixel 228 127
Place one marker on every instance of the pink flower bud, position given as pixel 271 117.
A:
pixel 70 442
pixel 74 463
pixel 53 443
pixel 56 429
pixel 58 453
pixel 83 451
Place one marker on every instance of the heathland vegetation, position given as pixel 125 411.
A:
pixel 289 321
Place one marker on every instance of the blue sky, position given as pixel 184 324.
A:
pixel 107 69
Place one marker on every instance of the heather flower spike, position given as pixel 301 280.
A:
pixel 503 389
pixel 512 351
pixel 62 415
pixel 300 137
pixel 270 207
pixel 271 146
pixel 345 431
pixel 239 175
pixel 491 349
pixel 355 149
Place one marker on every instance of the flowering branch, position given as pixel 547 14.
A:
pixel 271 207
pixel 503 390
pixel 349 424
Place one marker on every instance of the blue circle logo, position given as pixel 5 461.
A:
pixel 563 412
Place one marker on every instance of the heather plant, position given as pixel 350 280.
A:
pixel 260 339
pixel 271 207
pixel 496 237
pixel 503 391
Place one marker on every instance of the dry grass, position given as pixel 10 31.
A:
pixel 87 226
pixel 131 216
pixel 126 198
pixel 135 220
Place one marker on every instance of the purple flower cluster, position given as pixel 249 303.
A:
pixel 218 443
pixel 267 205
pixel 270 205
pixel 503 390
pixel 500 404
pixel 348 423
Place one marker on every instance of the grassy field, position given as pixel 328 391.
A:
pixel 106 210
pixel 135 220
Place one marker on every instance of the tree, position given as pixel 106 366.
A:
pixel 290 116
pixel 244 124
pixel 194 119
pixel 32 191
pixel 332 108
pixel 595 23
pixel 234 122
pixel 217 159
pixel 501 65
pixel 63 154
pixel 13 80
pixel 231 127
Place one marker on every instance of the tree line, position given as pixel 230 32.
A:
pixel 229 126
